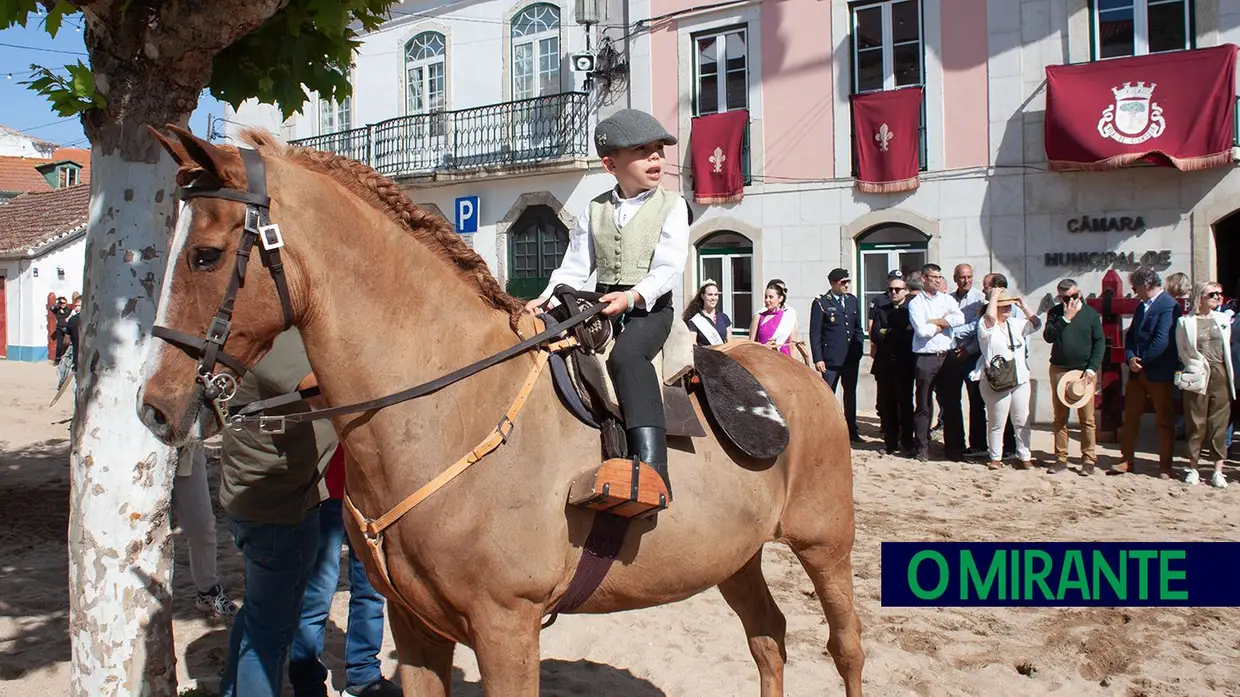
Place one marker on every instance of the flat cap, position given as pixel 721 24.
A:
pixel 629 128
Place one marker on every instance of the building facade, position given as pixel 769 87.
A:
pixel 477 111
pixel 986 195
pixel 428 83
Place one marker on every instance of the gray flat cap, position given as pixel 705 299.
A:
pixel 629 128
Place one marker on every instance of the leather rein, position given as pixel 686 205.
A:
pixel 219 387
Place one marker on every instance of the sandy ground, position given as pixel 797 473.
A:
pixel 697 647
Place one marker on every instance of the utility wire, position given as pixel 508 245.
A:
pixel 45 50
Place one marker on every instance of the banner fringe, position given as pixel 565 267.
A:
pixel 891 187
pixel 1184 164
pixel 728 198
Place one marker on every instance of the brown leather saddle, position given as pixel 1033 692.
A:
pixel 737 404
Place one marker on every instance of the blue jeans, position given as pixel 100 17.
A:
pixel 363 638
pixel 278 560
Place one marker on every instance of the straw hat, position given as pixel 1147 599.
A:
pixel 1074 390
pixel 1006 298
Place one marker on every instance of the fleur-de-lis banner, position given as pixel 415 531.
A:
pixel 716 151
pixel 1172 109
pixel 887 140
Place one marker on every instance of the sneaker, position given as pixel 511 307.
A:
pixel 1191 477
pixel 923 456
pixel 215 602
pixel 379 688
pixel 1218 481
pixel 1058 467
pixel 1087 469
pixel 976 453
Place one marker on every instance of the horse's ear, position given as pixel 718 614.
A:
pixel 174 148
pixel 213 160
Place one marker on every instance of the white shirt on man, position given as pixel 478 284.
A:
pixel 927 337
pixel 666 265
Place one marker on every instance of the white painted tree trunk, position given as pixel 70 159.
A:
pixel 120 546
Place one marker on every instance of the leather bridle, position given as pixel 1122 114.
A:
pixel 220 387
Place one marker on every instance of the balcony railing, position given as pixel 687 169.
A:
pixel 508 134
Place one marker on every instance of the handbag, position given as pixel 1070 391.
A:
pixel 1001 372
pixel 1190 382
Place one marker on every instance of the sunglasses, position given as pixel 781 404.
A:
pixel 1214 294
pixel 896 290
pixel 1070 296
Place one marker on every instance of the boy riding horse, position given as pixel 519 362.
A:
pixel 637 237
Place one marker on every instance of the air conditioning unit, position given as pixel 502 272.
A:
pixel 584 62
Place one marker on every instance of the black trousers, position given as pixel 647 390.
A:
pixel 895 390
pixel 641 337
pixel 848 373
pixel 937 374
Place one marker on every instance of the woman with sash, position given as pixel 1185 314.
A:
pixel 777 325
pixel 705 318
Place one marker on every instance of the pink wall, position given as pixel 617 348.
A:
pixel 798 133
pixel 966 126
pixel 664 84
pixel 796 79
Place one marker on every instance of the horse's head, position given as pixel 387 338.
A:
pixel 209 328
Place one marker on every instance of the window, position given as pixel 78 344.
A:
pixel 887 51
pixel 535 249
pixel 424 73
pixel 1140 27
pixel 721 79
pixel 727 258
pixel 69 176
pixel 536 52
pixel 335 117
pixel 882 250
pixel 425 86
pixel 721 64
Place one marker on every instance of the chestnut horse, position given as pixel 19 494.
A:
pixel 385 296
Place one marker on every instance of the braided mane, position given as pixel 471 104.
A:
pixel 382 193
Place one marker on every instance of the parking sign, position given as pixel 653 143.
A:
pixel 467 214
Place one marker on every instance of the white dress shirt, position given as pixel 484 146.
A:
pixel 927 337
pixel 666 266
pixel 972 305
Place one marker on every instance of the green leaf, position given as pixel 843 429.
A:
pixel 56 15
pixel 15 12
pixel 69 96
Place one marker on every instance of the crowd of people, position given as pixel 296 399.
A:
pixel 931 347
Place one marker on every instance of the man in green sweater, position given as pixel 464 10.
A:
pixel 1074 331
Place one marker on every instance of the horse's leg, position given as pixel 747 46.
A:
pixel 830 568
pixel 425 658
pixel 746 591
pixel 505 641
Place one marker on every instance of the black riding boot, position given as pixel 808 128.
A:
pixel 649 444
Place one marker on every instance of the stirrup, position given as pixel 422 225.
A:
pixel 623 487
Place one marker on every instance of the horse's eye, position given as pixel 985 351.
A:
pixel 207 258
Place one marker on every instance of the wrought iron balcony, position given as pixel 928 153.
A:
pixel 509 134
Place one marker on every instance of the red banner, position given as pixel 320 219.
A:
pixel 887 139
pixel 1173 109
pixel 715 147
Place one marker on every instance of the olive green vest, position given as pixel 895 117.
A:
pixel 624 259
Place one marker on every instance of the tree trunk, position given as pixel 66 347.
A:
pixel 120 546
pixel 151 59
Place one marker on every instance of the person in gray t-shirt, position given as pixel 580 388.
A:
pixel 272 487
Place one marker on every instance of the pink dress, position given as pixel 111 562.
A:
pixel 768 324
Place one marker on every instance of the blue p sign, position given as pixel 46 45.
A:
pixel 467 214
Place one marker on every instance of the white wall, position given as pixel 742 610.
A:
pixel 26 296
pixel 14 144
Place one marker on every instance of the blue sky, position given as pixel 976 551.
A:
pixel 24 110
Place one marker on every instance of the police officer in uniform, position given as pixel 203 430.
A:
pixel 835 340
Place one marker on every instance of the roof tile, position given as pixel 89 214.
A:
pixel 19 174
pixel 34 219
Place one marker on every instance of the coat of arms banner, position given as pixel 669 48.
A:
pixel 1174 109
pixel 887 140
pixel 716 147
